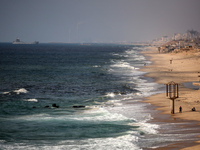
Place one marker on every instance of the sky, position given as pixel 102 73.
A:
pixel 96 20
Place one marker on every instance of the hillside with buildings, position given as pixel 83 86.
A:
pixel 179 42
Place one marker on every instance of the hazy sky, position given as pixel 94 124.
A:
pixel 96 20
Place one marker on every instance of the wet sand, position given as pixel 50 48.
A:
pixel 184 67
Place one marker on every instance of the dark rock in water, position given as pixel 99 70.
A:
pixel 123 93
pixel 46 106
pixel 80 106
pixel 116 93
pixel 54 105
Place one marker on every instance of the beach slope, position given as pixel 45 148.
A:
pixel 182 68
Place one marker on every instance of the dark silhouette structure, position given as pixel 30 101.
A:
pixel 172 92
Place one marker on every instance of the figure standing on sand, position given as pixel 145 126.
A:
pixel 193 109
pixel 159 49
pixel 180 109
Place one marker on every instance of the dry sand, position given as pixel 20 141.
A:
pixel 185 67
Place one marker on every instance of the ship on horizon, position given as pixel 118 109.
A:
pixel 18 41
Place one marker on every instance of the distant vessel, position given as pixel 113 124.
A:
pixel 18 41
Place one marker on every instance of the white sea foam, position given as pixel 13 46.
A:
pixel 5 93
pixel 134 55
pixel 122 64
pixel 2 141
pixel 110 94
pixel 22 90
pixel 100 114
pixel 147 88
pixel 115 54
pixel 93 115
pixel 96 66
pixel 31 100
pixel 126 142
pixel 148 128
pixel 114 102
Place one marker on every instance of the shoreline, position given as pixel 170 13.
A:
pixel 182 69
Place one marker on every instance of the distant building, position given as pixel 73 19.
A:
pixel 165 38
pixel 177 36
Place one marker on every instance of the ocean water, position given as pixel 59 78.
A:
pixel 102 80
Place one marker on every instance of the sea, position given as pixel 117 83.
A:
pixel 78 97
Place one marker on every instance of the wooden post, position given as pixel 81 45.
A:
pixel 172 106
pixel 177 91
pixel 172 92
pixel 167 90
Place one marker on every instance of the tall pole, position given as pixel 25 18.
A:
pixel 177 91
pixel 172 107
pixel 172 92
pixel 167 90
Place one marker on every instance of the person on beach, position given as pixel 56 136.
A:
pixel 193 109
pixel 180 109
pixel 159 49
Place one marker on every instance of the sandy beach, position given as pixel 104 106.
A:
pixel 184 67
